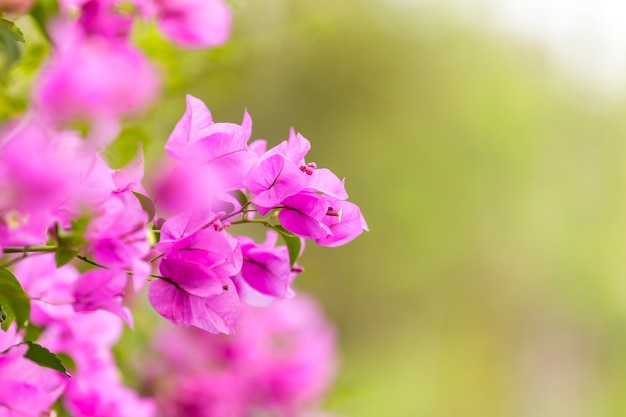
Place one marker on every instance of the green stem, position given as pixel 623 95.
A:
pixel 28 249
pixel 156 258
pixel 241 210
pixel 90 262
pixel 259 221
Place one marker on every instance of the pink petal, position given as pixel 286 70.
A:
pixel 215 314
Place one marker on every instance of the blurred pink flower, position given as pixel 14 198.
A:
pixel 194 23
pixel 280 361
pixel 265 275
pixel 28 390
pixel 94 78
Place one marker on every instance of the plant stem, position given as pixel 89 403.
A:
pixel 28 249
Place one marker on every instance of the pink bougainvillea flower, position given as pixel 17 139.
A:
pixel 118 236
pixel 216 251
pixel 203 150
pixel 51 289
pixel 266 274
pixel 273 179
pixel 100 18
pixel 325 181
pixel 189 128
pixel 129 177
pixel 63 180
pixel 345 221
pixel 86 336
pixel 184 224
pixel 280 361
pixel 214 314
pixel 196 289
pixel 205 395
pixel 102 289
pixel 194 23
pixel 220 148
pixel 294 148
pixel 96 391
pixel 303 215
pixel 28 389
pixel 95 79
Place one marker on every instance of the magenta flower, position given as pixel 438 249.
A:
pixel 265 275
pixel 27 388
pixel 196 289
pixel 214 313
pixel 220 148
pixel 216 251
pixel 303 214
pixel 273 179
pixel 205 395
pixel 345 221
pixel 100 18
pixel 325 181
pixel 280 361
pixel 63 180
pixel 95 389
pixel 96 79
pixel 97 392
pixel 51 289
pixel 184 224
pixel 118 236
pixel 196 119
pixel 102 289
pixel 194 23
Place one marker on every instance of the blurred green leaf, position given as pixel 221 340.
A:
pixel 10 35
pixel 42 12
pixel 122 150
pixel 70 243
pixel 14 299
pixel 146 205
pixel 43 357
pixel 240 196
pixel 12 29
pixel 294 243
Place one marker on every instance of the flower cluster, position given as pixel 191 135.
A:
pixel 281 361
pixel 96 75
pixel 205 272
pixel 79 239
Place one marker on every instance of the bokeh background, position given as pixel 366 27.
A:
pixel 493 280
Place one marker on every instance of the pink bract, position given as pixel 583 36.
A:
pixel 95 79
pixel 266 274
pixel 280 361
pixel 194 23
pixel 27 388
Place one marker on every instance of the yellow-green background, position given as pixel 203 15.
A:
pixel 493 280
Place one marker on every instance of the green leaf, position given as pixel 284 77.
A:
pixel 32 332
pixel 240 196
pixel 12 30
pixel 294 243
pixel 13 299
pixel 42 12
pixel 67 361
pixel 42 356
pixel 121 151
pixel 8 44
pixel 146 205
pixel 70 243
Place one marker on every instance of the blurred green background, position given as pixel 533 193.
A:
pixel 493 280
